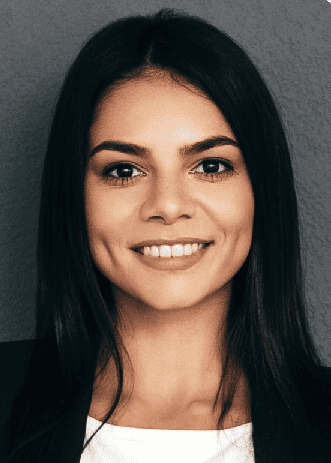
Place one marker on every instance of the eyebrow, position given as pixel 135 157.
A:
pixel 185 151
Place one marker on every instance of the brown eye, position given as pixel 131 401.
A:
pixel 209 169
pixel 214 168
pixel 123 172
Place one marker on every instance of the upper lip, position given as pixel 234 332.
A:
pixel 170 242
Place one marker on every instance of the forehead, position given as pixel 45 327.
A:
pixel 155 93
pixel 141 108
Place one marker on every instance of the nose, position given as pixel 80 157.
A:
pixel 168 200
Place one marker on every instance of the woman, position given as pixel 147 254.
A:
pixel 169 289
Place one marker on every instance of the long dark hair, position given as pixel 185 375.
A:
pixel 268 335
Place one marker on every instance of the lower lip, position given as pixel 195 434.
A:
pixel 173 263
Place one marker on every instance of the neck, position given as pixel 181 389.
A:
pixel 176 355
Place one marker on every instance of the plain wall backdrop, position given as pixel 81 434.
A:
pixel 288 40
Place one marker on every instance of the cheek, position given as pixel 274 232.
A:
pixel 235 222
pixel 234 211
pixel 106 215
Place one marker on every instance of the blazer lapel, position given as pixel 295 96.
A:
pixel 70 440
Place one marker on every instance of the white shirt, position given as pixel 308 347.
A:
pixel 117 444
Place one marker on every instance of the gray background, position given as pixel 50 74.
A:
pixel 288 40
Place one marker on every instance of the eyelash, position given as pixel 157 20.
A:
pixel 228 172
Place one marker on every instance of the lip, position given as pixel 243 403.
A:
pixel 171 242
pixel 173 263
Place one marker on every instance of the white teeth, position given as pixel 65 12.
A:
pixel 188 250
pixel 176 251
pixel 155 251
pixel 171 251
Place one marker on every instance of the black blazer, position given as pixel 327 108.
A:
pixel 273 443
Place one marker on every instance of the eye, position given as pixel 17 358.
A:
pixel 124 172
pixel 215 168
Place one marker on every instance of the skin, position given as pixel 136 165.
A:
pixel 169 320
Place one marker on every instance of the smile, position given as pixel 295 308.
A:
pixel 177 250
pixel 170 262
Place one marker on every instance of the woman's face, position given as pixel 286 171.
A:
pixel 166 195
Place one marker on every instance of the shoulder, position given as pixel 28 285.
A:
pixel 15 360
pixel 12 348
pixel 318 384
pixel 14 354
pixel 317 396
pixel 321 379
pixel 15 357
